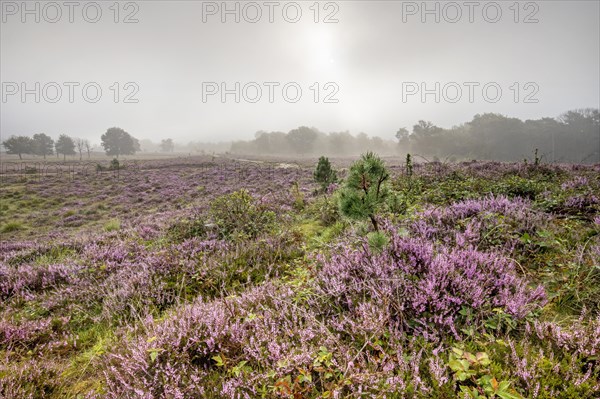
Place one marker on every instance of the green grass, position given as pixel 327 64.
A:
pixel 112 225
pixel 11 227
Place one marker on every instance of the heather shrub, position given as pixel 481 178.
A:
pixel 454 188
pixel 264 343
pixel 209 268
pixel 377 241
pixel 576 283
pixel 30 379
pixel 202 292
pixel 27 280
pixel 486 223
pixel 423 287
pixel 552 359
pixel 217 348
pixel 579 195
pixel 239 215
pixel 244 264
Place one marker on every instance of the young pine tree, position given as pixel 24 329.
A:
pixel 324 174
pixel 365 189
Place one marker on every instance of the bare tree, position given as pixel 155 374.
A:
pixel 80 145
pixel 88 147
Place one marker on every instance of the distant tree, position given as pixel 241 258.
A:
pixel 117 141
pixel 80 145
pixel 495 136
pixel 340 143
pixel 425 130
pixel 18 145
pixel 148 146
pixel 402 134
pixel 88 147
pixel 584 117
pixel 324 174
pixel 365 189
pixel 377 143
pixel 262 142
pixel 167 145
pixel 362 142
pixel 42 144
pixel 581 128
pixel 65 146
pixel 302 139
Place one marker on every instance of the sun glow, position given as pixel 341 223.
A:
pixel 322 49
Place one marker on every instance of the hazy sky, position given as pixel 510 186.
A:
pixel 374 55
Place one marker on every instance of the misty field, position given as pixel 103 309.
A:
pixel 209 277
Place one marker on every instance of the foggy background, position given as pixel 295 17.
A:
pixel 368 54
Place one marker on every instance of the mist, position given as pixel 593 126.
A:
pixel 189 71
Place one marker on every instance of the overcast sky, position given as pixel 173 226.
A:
pixel 375 57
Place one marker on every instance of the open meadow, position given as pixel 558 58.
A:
pixel 209 277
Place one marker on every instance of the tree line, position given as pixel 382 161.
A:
pixel 572 137
pixel 115 142
pixel 310 141
pixel 43 145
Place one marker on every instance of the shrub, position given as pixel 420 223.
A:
pixel 188 228
pixel 326 210
pixel 425 287
pixel 114 164
pixel 237 215
pixel 409 166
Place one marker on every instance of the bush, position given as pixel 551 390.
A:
pixel 184 229
pixel 427 289
pixel 237 215
pixel 326 210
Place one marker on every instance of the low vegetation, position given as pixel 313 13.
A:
pixel 396 280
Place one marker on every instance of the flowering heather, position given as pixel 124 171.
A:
pixel 267 338
pixel 577 182
pixel 489 222
pixel 131 286
pixel 423 286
